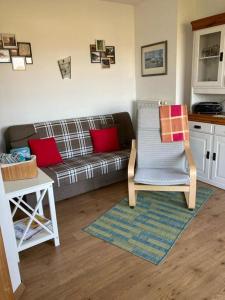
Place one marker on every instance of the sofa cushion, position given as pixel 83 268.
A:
pixel 105 140
pixel 72 135
pixel 89 166
pixel 46 152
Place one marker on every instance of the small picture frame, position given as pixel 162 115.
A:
pixel 110 53
pixel 24 49
pixel 18 63
pixel 95 55
pixel 105 63
pixel 29 60
pixel 100 45
pixel 1 42
pixel 65 67
pixel 154 59
pixel 13 52
pixel 5 56
pixel 9 40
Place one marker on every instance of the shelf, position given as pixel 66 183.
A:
pixel 209 57
pixel 36 239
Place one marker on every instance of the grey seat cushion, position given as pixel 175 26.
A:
pixel 171 176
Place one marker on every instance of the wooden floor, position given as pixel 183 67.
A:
pixel 84 267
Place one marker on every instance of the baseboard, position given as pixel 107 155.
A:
pixel 19 291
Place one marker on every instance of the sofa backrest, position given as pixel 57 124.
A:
pixel 72 135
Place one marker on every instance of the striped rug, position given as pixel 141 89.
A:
pixel 151 229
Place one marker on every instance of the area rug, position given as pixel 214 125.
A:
pixel 151 229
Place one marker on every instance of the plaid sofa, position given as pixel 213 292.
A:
pixel 82 170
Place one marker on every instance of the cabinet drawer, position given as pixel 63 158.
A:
pixel 201 127
pixel 220 130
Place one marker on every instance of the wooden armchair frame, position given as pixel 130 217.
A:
pixel 189 190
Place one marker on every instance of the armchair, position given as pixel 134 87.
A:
pixel 159 166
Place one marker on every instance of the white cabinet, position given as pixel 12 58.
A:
pixel 208 59
pixel 208 147
pixel 201 144
pixel 218 160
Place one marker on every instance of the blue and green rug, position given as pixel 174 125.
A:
pixel 151 229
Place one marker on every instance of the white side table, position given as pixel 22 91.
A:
pixel 16 190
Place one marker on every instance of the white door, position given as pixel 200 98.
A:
pixel 208 57
pixel 201 146
pixel 218 167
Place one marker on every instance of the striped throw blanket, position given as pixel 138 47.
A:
pixel 174 123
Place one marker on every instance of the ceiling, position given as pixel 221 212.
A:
pixel 126 1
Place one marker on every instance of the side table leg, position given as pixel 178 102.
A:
pixel 53 215
pixel 40 208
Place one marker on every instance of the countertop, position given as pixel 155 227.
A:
pixel 213 119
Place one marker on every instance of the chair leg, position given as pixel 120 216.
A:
pixel 191 197
pixel 132 195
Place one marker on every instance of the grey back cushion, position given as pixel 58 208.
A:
pixel 151 152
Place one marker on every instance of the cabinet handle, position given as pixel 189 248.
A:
pixel 221 56
pixel 197 126
pixel 207 154
pixel 214 156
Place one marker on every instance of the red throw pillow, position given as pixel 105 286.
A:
pixel 105 140
pixel 46 151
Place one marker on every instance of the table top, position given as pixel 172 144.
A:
pixel 212 119
pixel 27 186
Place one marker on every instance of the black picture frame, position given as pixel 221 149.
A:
pixel 154 59
pixel 110 53
pixel 95 56
pixel 24 49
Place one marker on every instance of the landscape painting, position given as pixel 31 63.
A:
pixel 154 59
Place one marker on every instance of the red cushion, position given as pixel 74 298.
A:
pixel 105 140
pixel 46 151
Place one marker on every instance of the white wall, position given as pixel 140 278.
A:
pixel 156 21
pixel 57 29
pixel 188 11
pixel 170 20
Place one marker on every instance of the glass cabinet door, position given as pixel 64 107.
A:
pixel 209 57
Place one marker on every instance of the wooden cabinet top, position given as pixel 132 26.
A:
pixel 208 22
pixel 206 119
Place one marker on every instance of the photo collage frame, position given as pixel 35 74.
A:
pixel 19 54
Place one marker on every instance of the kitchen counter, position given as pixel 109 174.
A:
pixel 213 119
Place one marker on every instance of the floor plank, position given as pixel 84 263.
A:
pixel 86 268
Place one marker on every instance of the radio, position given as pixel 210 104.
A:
pixel 207 108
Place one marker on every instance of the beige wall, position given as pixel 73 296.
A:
pixel 57 29
pixel 156 21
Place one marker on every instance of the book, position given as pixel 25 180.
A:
pixel 21 225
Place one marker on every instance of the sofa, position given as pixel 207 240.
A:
pixel 82 170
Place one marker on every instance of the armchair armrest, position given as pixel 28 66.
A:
pixel 132 160
pixel 191 163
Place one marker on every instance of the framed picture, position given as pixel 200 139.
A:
pixel 13 52
pixel 65 67
pixel 29 60
pixel 100 45
pixel 95 55
pixel 1 43
pixel 24 49
pixel 18 63
pixel 5 56
pixel 9 40
pixel 154 59
pixel 105 63
pixel 110 53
